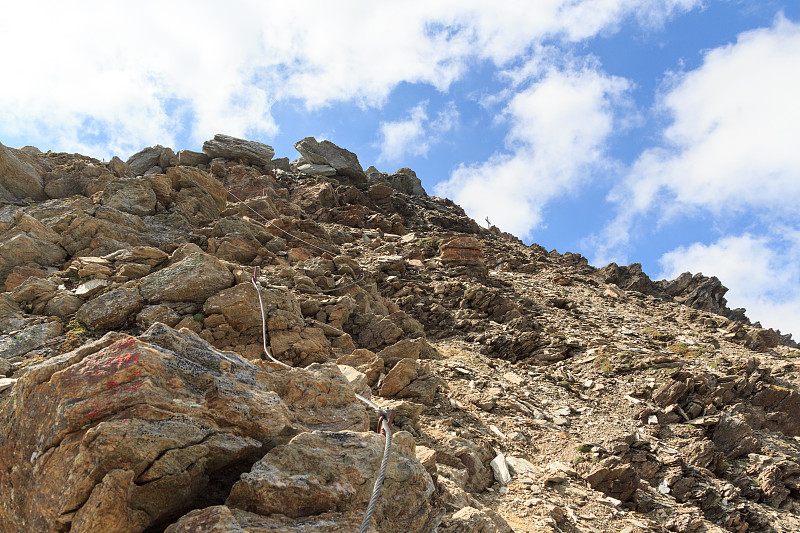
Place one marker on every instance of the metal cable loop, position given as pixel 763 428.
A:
pixel 373 501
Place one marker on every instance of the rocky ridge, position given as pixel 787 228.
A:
pixel 531 391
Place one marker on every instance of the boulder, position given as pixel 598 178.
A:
pixel 195 193
pixel 192 279
pixel 234 149
pixel 119 168
pixel 326 153
pixel 317 170
pixel 734 437
pixel 145 159
pixel 224 519
pixel 192 159
pixel 404 349
pixel 18 177
pixel 614 478
pixel 132 195
pixel 462 251
pixel 126 433
pixel 111 310
pixel 28 242
pixel 22 343
pixel 406 181
pixel 334 471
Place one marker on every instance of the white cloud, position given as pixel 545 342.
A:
pixel 762 273
pixel 416 134
pixel 559 126
pixel 731 147
pixel 111 77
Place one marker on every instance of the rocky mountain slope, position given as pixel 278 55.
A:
pixel 530 391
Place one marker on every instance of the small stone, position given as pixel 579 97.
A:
pixel 6 383
pixel 500 469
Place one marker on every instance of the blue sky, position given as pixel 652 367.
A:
pixel 665 132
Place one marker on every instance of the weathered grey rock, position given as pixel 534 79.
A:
pixel 614 478
pixel 281 163
pixel 192 159
pixel 90 288
pixel 111 310
pixel 133 195
pixel 11 316
pixel 151 314
pixel 167 158
pixel 119 168
pixel 326 153
pixel 734 437
pixel 520 467
pixel 192 279
pixel 28 241
pixel 18 177
pixel 23 343
pixel 406 181
pixel 317 170
pixel 234 149
pixel 344 466
pixel 145 159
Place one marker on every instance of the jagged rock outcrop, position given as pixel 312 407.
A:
pixel 19 179
pixel 135 385
pixel 233 149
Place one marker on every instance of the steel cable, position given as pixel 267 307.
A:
pixel 384 420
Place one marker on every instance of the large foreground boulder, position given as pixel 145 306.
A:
pixel 130 433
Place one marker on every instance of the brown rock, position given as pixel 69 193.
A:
pixel 27 242
pixel 734 437
pixel 300 347
pixel 403 349
pixel 151 314
pixel 614 478
pixel 193 279
pixel 324 471
pixel 196 194
pixel 467 251
pixel 19 179
pixel 34 337
pixel 124 433
pixel 111 310
pixel 132 195
pixel 403 373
